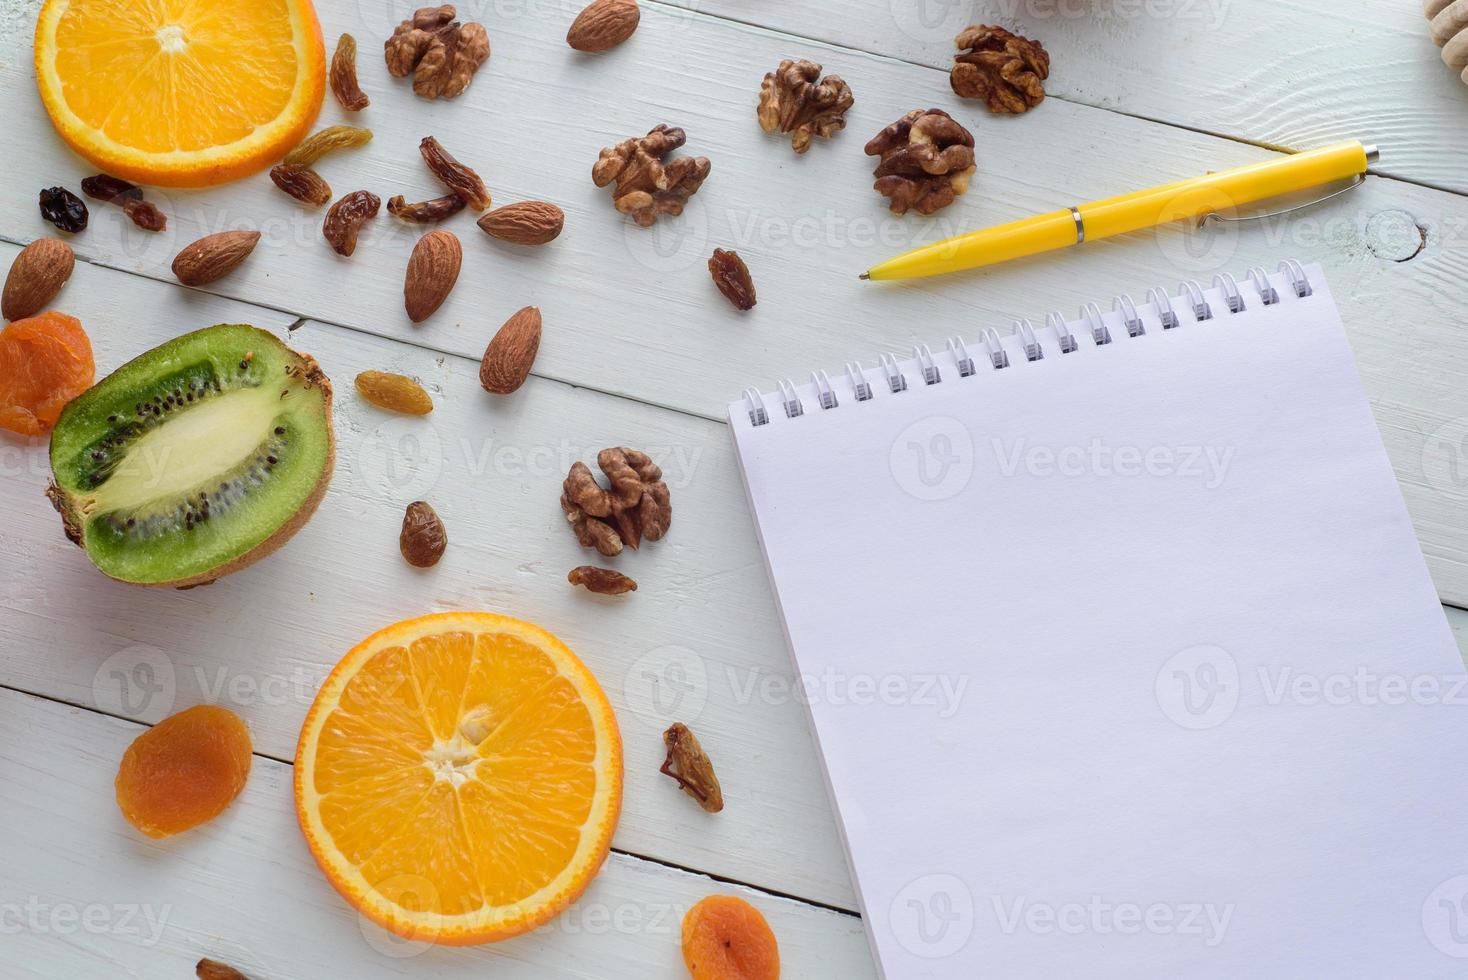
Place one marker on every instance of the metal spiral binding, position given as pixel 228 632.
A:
pixel 1029 341
pixel 998 356
pixel 924 357
pixel 1099 333
pixel 1025 331
pixel 895 380
pixel 1056 322
pixel 1165 312
pixel 960 354
pixel 1201 310
pixel 1128 311
pixel 824 392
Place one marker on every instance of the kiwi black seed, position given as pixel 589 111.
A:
pixel 177 468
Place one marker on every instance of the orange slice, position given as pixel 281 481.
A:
pixel 459 777
pixel 181 93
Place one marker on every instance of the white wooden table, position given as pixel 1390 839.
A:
pixel 639 350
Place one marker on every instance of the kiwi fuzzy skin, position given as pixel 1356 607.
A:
pixel 314 377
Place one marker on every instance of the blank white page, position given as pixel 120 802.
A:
pixel 1125 662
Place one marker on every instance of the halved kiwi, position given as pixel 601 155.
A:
pixel 194 459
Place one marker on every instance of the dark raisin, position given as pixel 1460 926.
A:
pixel 455 176
pixel 423 538
pixel 301 183
pixel 111 189
pixel 425 212
pixel 732 277
pixel 144 215
pixel 346 217
pixel 63 209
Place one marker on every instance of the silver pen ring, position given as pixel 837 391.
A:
pixel 1080 225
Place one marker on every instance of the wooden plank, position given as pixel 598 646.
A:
pixel 699 642
pixel 83 894
pixel 1292 75
pixel 631 311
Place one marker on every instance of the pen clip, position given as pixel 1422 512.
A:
pixel 1354 183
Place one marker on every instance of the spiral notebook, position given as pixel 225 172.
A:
pixel 1119 649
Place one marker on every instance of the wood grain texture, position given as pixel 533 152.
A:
pixel 699 642
pixel 632 311
pixel 1290 75
pixel 84 895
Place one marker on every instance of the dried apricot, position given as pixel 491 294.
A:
pixel 45 362
pixel 184 771
pixel 726 938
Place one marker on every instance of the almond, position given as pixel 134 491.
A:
pixel 526 223
pixel 36 276
pixel 213 256
pixel 605 24
pixel 432 271
pixel 509 355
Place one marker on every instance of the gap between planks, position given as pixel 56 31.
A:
pixel 1141 117
pixel 672 866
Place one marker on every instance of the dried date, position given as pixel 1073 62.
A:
pixel 301 183
pixel 426 212
pixel 732 277
pixel 317 145
pixel 603 581
pixel 423 538
pixel 63 209
pixel 346 217
pixel 344 75
pixel 455 176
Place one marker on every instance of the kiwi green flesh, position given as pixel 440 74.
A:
pixel 192 455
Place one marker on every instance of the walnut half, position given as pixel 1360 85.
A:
pixel 634 509
pixel 441 54
pixel 1004 69
pixel 647 184
pixel 927 161
pixel 795 99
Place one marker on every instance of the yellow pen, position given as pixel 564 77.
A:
pixel 1177 201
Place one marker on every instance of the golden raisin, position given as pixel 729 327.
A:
pixel 726 938
pixel 344 75
pixel 423 538
pixel 317 145
pixel 184 771
pixel 394 392
pixel 689 764
pixel 346 217
pixel 301 183
pixel 455 176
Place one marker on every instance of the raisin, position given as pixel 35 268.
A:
pixel 394 392
pixel 423 538
pixel 455 176
pixel 144 215
pixel 113 190
pixel 346 217
pixel 301 183
pixel 425 212
pixel 344 75
pixel 317 145
pixel 603 581
pixel 732 277
pixel 63 209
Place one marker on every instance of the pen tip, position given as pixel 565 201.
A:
pixel 864 275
